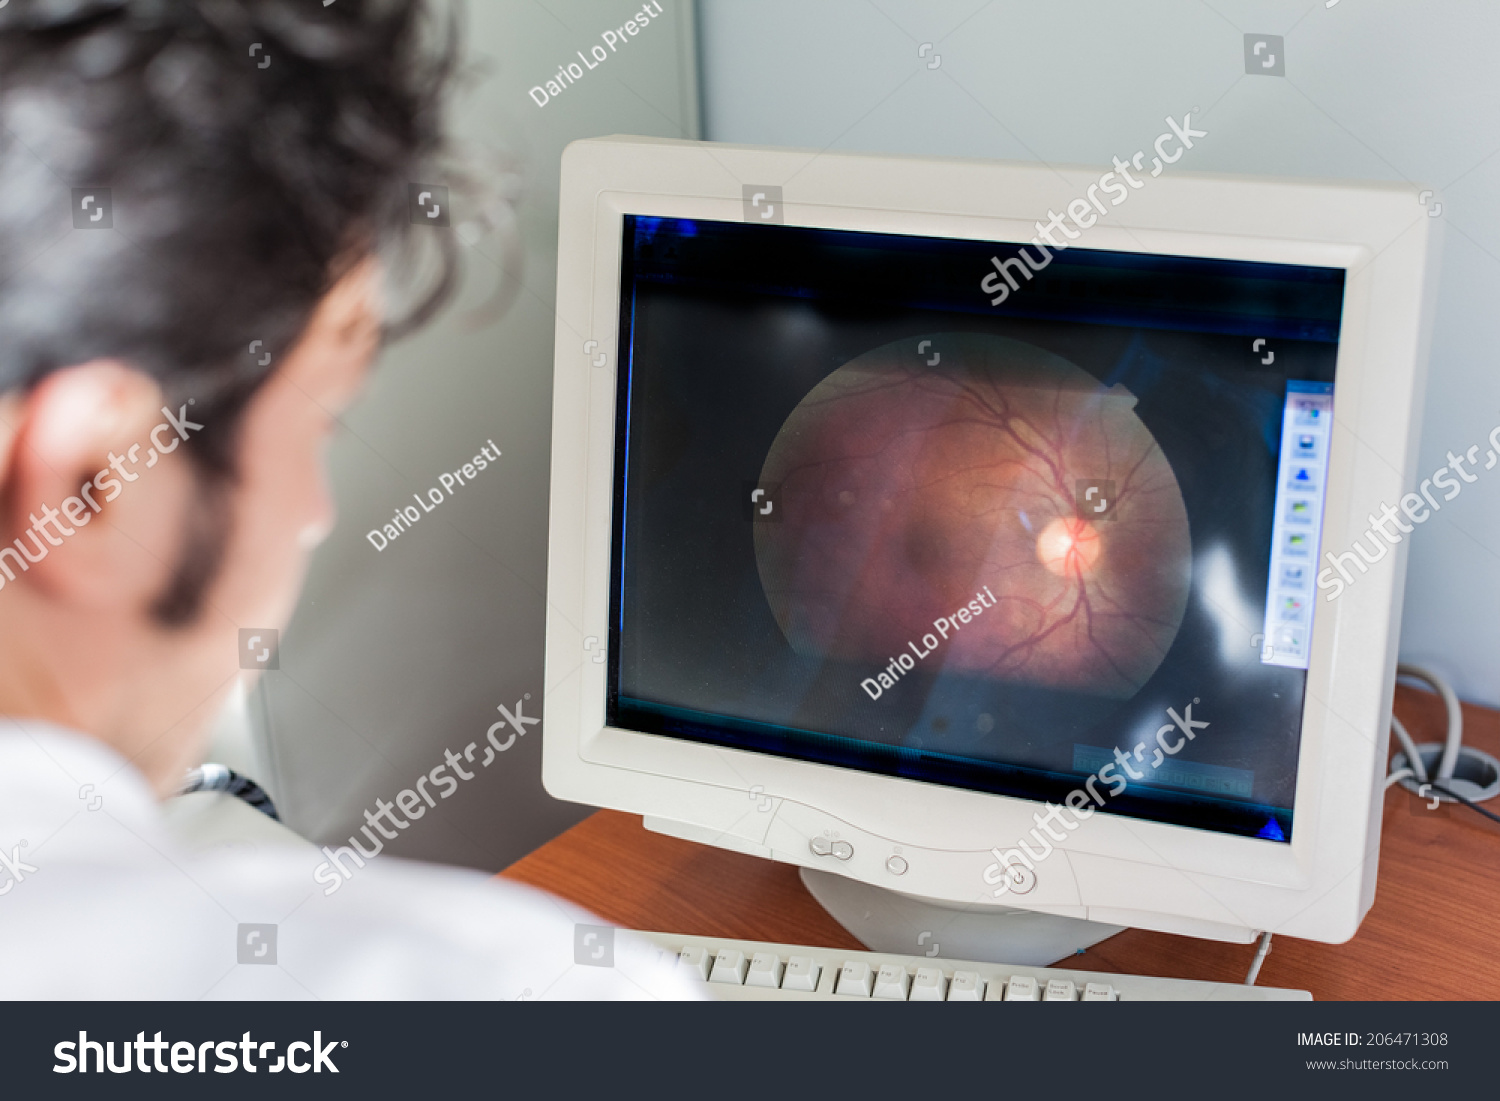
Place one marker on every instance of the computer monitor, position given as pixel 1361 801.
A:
pixel 892 540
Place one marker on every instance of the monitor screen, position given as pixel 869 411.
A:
pixel 1002 519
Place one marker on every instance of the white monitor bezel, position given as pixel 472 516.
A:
pixel 1321 883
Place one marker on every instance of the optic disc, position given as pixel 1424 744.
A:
pixel 1069 546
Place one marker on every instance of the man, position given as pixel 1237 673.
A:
pixel 195 198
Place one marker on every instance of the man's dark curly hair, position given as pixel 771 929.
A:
pixel 242 181
pixel 253 150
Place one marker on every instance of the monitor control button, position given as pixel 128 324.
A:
pixel 896 865
pixel 1022 879
pixel 822 846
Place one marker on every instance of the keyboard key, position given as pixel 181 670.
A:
pixel 891 982
pixel 1098 992
pixel 929 985
pixel 765 970
pixel 696 961
pixel 967 986
pixel 1021 988
pixel 855 979
pixel 801 974
pixel 1060 990
pixel 729 967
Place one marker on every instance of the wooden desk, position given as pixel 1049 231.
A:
pixel 1432 933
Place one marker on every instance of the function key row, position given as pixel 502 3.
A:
pixel 891 981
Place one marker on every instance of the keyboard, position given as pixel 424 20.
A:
pixel 747 970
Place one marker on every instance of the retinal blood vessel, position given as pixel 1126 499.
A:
pixel 906 486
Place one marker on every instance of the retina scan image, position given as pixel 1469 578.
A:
pixel 910 489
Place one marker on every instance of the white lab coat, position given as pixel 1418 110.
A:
pixel 99 900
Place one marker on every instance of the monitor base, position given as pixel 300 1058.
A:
pixel 887 921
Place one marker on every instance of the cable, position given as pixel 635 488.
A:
pixel 1260 957
pixel 1413 758
pixel 1416 768
pixel 1397 776
pixel 1466 802
pixel 213 777
pixel 1449 760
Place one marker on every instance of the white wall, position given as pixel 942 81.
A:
pixel 395 656
pixel 1374 89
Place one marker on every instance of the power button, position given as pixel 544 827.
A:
pixel 821 846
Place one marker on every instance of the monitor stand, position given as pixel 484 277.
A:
pixel 889 921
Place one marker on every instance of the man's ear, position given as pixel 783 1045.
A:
pixel 93 486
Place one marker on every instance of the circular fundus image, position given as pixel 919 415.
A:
pixel 1000 502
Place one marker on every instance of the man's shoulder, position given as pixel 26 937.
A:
pixel 256 925
pixel 111 903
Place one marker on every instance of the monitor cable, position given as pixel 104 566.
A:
pixel 1457 764
pixel 1260 957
